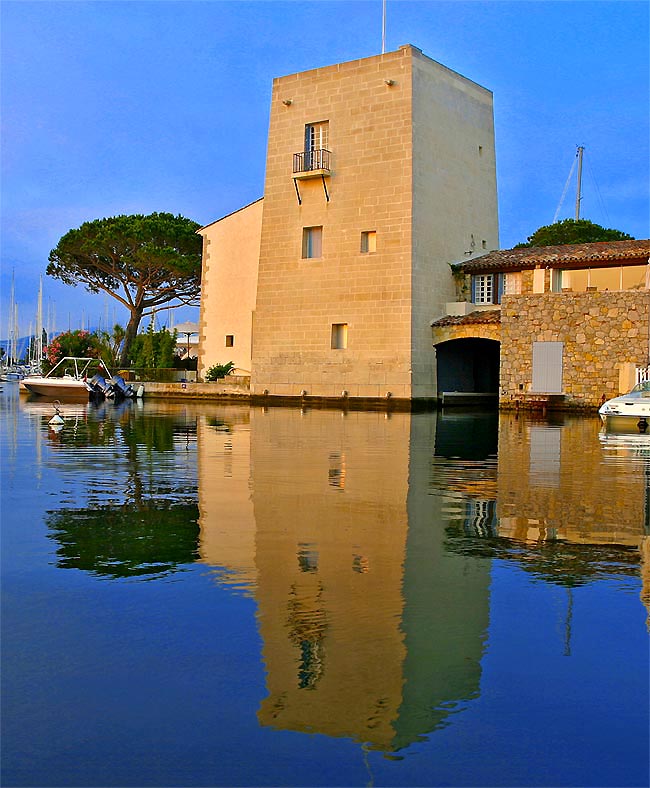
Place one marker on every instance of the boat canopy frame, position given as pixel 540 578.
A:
pixel 81 366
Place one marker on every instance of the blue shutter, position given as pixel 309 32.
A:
pixel 499 286
pixel 473 289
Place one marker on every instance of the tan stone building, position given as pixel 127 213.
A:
pixel 379 173
pixel 228 288
pixel 560 325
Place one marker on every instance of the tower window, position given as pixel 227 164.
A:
pixel 312 242
pixel 339 336
pixel 230 340
pixel 369 241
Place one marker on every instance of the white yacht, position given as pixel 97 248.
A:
pixel 628 410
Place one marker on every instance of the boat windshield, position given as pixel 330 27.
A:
pixel 642 389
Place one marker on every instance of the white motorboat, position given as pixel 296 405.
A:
pixel 628 410
pixel 69 379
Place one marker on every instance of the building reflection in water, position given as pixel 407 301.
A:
pixel 364 539
pixel 555 486
pixel 369 629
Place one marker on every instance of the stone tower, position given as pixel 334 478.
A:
pixel 380 173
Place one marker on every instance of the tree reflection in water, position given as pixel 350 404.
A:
pixel 144 523
pixel 554 561
pixel 126 541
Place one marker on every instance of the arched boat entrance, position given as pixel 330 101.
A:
pixel 468 371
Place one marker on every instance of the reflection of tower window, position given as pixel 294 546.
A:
pixel 360 564
pixel 307 559
pixel 311 664
pixel 336 474
pixel 306 624
pixel 481 518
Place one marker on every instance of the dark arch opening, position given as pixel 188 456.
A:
pixel 468 366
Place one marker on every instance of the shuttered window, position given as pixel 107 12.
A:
pixel 547 367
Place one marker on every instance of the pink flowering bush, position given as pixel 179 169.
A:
pixel 73 343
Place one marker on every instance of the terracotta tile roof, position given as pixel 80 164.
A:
pixel 480 316
pixel 555 256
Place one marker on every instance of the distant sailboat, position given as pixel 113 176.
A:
pixel 11 369
pixel 36 355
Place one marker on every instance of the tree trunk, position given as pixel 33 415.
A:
pixel 130 334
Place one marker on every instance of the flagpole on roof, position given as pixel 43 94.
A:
pixel 383 27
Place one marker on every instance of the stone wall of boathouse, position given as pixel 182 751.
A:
pixel 602 333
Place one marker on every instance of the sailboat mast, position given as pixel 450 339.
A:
pixel 14 334
pixel 579 188
pixel 13 319
pixel 38 344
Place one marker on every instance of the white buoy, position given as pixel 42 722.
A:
pixel 140 392
pixel 57 420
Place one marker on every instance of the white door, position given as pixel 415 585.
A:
pixel 547 367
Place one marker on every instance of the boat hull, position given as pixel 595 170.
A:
pixel 56 387
pixel 630 411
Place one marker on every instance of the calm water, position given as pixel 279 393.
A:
pixel 203 595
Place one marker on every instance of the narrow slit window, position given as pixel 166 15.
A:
pixel 369 241
pixel 339 336
pixel 312 242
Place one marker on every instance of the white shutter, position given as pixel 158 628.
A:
pixel 547 367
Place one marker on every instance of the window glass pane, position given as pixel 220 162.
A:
pixel 483 289
pixel 630 277
pixel 316 135
pixel 575 280
pixel 556 280
pixel 312 242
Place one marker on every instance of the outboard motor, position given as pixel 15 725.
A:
pixel 121 389
pixel 97 387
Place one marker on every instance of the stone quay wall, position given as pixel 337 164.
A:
pixel 601 332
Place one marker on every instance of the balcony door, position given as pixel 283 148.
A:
pixel 316 141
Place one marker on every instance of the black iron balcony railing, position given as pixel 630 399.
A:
pixel 310 160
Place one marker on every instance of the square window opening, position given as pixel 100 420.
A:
pixel 483 289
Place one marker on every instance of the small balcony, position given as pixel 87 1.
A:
pixel 311 164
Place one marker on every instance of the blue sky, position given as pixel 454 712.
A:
pixel 134 107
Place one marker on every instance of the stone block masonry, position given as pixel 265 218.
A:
pixel 599 332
